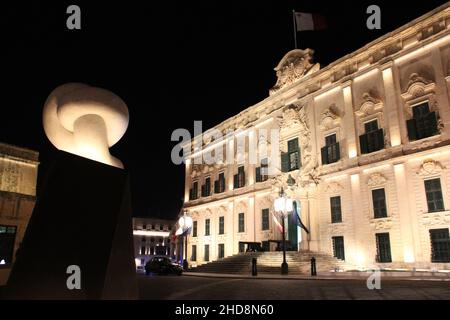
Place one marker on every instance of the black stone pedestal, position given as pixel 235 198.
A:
pixel 82 217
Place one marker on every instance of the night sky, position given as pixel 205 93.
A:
pixel 172 63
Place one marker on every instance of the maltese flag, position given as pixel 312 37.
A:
pixel 309 21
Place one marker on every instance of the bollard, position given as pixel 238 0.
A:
pixel 313 267
pixel 254 268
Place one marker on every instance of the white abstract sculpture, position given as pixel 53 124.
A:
pixel 85 121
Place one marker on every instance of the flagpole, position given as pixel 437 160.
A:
pixel 295 28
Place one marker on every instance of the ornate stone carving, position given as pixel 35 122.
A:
pixel 290 117
pixel 333 187
pixel 417 86
pixel 381 224
pixel 294 65
pixel 376 179
pixel 430 168
pixel 369 106
pixel 330 117
pixel 436 218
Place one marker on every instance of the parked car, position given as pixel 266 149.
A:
pixel 162 265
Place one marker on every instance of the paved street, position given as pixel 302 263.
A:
pixel 189 287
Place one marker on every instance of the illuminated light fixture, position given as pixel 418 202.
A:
pixel 151 233
pixel 184 228
pixel 3 262
pixel 85 121
pixel 283 205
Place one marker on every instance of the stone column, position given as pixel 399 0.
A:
pixel 390 106
pixel 349 122
pixel 313 215
pixel 441 91
pixel 405 209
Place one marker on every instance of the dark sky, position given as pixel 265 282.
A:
pixel 172 63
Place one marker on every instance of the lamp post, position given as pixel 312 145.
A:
pixel 283 205
pixel 184 228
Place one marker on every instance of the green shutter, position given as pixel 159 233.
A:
pixel 337 151
pixel 412 129
pixel 293 145
pixel 363 143
pixel 258 174
pixel 324 152
pixel 380 139
pixel 285 162
pixel 216 186
pixel 235 181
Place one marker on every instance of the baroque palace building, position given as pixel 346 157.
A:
pixel 365 152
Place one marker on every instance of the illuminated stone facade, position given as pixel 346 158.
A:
pixel 18 176
pixel 152 237
pixel 372 131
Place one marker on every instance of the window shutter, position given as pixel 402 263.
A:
pixel 412 129
pixel 284 162
pixel 431 124
pixel 379 140
pixel 258 174
pixel 235 181
pixel 216 186
pixel 203 190
pixel 363 143
pixel 293 145
pixel 243 178
pixel 337 150
pixel 324 152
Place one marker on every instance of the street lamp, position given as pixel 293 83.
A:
pixel 185 225
pixel 283 205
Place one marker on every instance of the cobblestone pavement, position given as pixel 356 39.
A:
pixel 202 288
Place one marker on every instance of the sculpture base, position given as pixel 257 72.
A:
pixel 82 218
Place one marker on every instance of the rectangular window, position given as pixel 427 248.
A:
pixel 338 247
pixel 434 195
pixel 331 151
pixel 193 192
pixel 241 227
pixel 221 225
pixel 221 250
pixel 423 124
pixel 206 252
pixel 373 138
pixel 335 205
pixel 194 253
pixel 379 203
pixel 7 240
pixel 262 171
pixel 440 245
pixel 207 227
pixel 219 184
pixel 194 228
pixel 291 160
pixel 383 248
pixel 239 178
pixel 206 188
pixel 265 219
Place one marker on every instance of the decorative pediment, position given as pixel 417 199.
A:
pixel 430 168
pixel 417 87
pixel 436 218
pixel 381 224
pixel 295 65
pixel 330 117
pixel 291 117
pixel 376 180
pixel 369 106
pixel 333 187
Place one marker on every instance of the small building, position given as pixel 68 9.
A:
pixel 151 238
pixel 18 176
